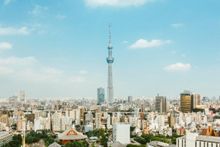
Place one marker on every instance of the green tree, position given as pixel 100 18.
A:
pixel 15 142
pixel 76 144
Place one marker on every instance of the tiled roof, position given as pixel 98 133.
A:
pixel 71 134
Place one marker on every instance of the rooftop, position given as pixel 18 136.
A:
pixel 208 138
pixel 71 134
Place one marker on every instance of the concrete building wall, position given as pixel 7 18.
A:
pixel 121 133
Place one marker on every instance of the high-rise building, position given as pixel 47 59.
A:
pixel 21 96
pixel 160 104
pixel 89 117
pixel 130 99
pixel 196 100
pixel 100 96
pixel 110 61
pixel 186 102
pixel 172 119
pixel 189 101
pixel 98 122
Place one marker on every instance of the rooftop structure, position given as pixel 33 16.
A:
pixel 71 135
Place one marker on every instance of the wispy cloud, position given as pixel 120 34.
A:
pixel 178 67
pixel 125 42
pixel 31 70
pixel 7 2
pixel 14 64
pixel 17 61
pixel 142 43
pixel 14 31
pixel 116 3
pixel 177 25
pixel 38 10
pixel 60 17
pixel 5 46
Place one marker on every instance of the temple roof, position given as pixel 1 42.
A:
pixel 71 134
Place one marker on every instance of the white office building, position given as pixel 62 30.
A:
pixel 195 140
pixel 207 141
pixel 121 133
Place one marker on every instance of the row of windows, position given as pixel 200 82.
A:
pixel 182 143
pixel 206 144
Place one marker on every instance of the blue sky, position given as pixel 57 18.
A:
pixel 57 48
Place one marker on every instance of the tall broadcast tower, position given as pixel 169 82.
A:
pixel 110 61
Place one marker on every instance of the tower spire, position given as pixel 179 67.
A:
pixel 110 36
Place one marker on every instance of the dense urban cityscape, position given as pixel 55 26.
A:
pixel 190 120
pixel 66 37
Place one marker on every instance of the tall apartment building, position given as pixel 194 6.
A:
pixel 98 120
pixel 100 96
pixel 196 100
pixel 160 104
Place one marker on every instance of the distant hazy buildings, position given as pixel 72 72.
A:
pixel 160 104
pixel 21 96
pixel 121 133
pixel 130 99
pixel 100 95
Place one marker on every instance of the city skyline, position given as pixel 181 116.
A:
pixel 58 49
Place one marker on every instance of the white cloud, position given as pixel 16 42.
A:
pixel 17 61
pixel 178 67
pixel 142 43
pixel 177 25
pixel 13 65
pixel 29 69
pixel 40 74
pixel 14 31
pixel 116 3
pixel 38 10
pixel 5 46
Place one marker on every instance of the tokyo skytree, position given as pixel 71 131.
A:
pixel 110 61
